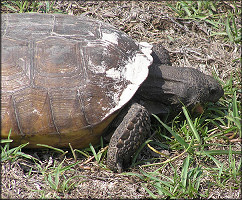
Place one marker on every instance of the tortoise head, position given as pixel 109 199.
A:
pixel 177 86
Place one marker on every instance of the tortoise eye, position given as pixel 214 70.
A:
pixel 212 91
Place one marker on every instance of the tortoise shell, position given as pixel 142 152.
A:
pixel 65 78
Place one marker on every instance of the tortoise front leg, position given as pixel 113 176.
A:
pixel 128 137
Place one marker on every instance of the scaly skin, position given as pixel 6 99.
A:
pixel 177 86
pixel 128 137
pixel 166 86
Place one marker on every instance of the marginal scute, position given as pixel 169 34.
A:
pixel 33 110
pixel 9 120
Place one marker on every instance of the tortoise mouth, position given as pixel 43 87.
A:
pixel 198 108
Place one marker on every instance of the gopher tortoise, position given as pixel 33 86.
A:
pixel 66 78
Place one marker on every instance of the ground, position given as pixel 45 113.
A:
pixel 189 45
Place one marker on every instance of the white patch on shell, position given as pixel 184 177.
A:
pixel 136 71
pixel 104 109
pixel 110 37
pixel 91 33
pixel 116 95
pixel 113 73
pixel 96 69
pixel 37 112
pixel 145 48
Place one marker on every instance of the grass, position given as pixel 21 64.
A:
pixel 30 6
pixel 197 139
pixel 12 154
pixel 191 139
pixel 57 180
pixel 222 17
pixel 206 143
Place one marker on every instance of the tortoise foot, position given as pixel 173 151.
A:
pixel 128 137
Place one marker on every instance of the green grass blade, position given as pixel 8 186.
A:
pixel 134 174
pixel 149 192
pixel 197 177
pixel 57 177
pixel 69 166
pixel 81 152
pixel 162 190
pixel 6 141
pixel 73 152
pixel 191 125
pixel 97 158
pixel 154 178
pixel 218 152
pixel 177 137
pixel 235 106
pixel 53 148
pixel 219 164
pixel 138 151
pixel 185 171
pixel 220 172
pixel 10 7
pixel 228 30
